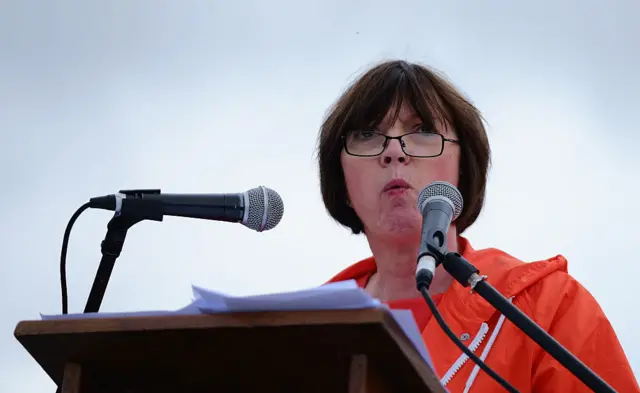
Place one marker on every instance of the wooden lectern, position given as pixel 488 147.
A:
pixel 300 351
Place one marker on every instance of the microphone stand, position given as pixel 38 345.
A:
pixel 468 275
pixel 131 212
pixel 128 212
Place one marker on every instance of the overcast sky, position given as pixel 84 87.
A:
pixel 213 96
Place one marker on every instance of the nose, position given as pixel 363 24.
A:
pixel 393 153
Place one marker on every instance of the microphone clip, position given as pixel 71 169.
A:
pixel 131 204
pixel 462 270
pixel 137 207
pixel 131 208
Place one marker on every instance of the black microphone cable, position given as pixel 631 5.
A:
pixel 423 287
pixel 63 255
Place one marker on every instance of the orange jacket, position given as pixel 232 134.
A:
pixel 546 293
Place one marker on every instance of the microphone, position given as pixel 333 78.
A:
pixel 259 208
pixel 440 203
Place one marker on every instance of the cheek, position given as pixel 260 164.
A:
pixel 443 168
pixel 357 178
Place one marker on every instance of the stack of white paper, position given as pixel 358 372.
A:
pixel 333 296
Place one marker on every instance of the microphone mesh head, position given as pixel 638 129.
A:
pixel 263 209
pixel 441 189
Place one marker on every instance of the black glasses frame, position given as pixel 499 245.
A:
pixel 387 138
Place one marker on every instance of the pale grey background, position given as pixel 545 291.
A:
pixel 204 96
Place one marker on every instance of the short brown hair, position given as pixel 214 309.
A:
pixel 366 102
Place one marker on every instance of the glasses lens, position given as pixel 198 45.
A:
pixel 423 144
pixel 365 143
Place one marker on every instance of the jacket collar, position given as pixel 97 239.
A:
pixel 509 275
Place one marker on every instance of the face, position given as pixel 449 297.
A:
pixel 393 213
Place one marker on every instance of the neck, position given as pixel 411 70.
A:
pixel 395 277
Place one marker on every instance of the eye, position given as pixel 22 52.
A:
pixel 424 128
pixel 364 134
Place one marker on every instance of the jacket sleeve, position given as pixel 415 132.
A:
pixel 577 321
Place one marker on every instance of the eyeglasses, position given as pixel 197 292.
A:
pixel 415 144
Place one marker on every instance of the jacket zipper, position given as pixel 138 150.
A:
pixel 475 343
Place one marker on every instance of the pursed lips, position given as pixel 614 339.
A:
pixel 396 184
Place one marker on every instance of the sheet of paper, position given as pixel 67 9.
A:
pixel 335 296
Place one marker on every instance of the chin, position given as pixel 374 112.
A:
pixel 404 229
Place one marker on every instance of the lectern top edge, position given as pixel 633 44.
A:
pixel 248 319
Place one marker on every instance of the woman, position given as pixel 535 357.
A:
pixel 370 179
